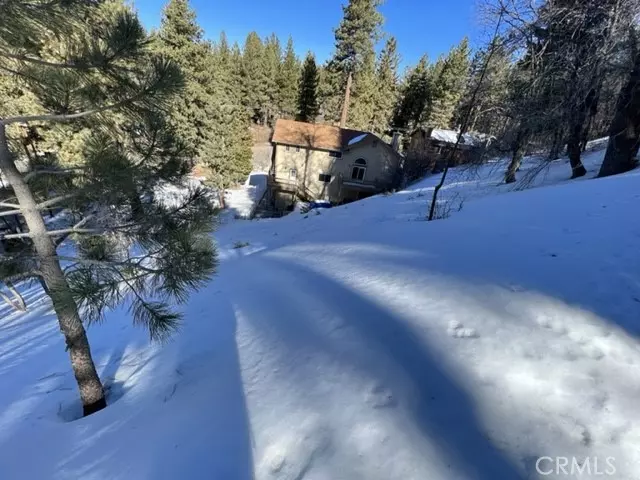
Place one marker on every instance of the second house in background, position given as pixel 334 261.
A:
pixel 323 162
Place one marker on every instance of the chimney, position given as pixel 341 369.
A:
pixel 395 143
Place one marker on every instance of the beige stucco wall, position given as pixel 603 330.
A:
pixel 382 165
pixel 309 164
pixel 382 162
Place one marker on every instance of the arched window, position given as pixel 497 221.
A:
pixel 359 170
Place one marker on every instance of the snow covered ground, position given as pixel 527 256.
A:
pixel 242 202
pixel 364 343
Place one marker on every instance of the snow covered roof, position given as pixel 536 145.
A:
pixel 357 139
pixel 451 136
pixel 312 135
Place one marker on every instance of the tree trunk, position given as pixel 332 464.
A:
pixel 347 99
pixel 91 391
pixel 519 148
pixel 514 166
pixel 624 133
pixel 577 118
pixel 586 133
pixel 558 143
pixel 573 147
pixel 593 112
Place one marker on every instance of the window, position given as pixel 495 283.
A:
pixel 359 170
pixel 335 154
pixel 288 148
pixel 293 174
pixel 324 178
pixel 437 150
pixel 297 149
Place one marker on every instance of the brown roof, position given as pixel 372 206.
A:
pixel 311 135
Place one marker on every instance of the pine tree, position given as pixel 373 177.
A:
pixel 450 80
pixel 386 87
pixel 330 93
pixel 229 159
pixel 355 41
pixel 416 93
pixel 130 246
pixel 272 62
pixel 308 96
pixel 288 82
pixel 236 61
pixel 180 39
pixel 364 95
pixel 255 79
pixel 487 115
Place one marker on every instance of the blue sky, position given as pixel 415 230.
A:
pixel 421 26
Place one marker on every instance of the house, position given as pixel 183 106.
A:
pixel 323 162
pixel 429 148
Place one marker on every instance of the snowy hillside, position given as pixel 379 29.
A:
pixel 364 343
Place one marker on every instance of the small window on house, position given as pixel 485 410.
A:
pixel 359 170
pixel 288 148
pixel 324 178
pixel 297 149
pixel 293 174
pixel 335 154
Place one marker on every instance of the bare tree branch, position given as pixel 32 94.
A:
pixel 465 123
pixel 54 201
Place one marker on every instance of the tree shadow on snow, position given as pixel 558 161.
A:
pixel 174 411
pixel 188 410
pixel 440 406
pixel 589 285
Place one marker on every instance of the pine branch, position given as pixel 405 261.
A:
pixel 67 117
pixel 135 265
pixel 54 201
pixel 55 233
pixel 81 223
pixel 45 63
pixel 41 206
pixel 45 171
pixel 10 302
pixel 8 213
